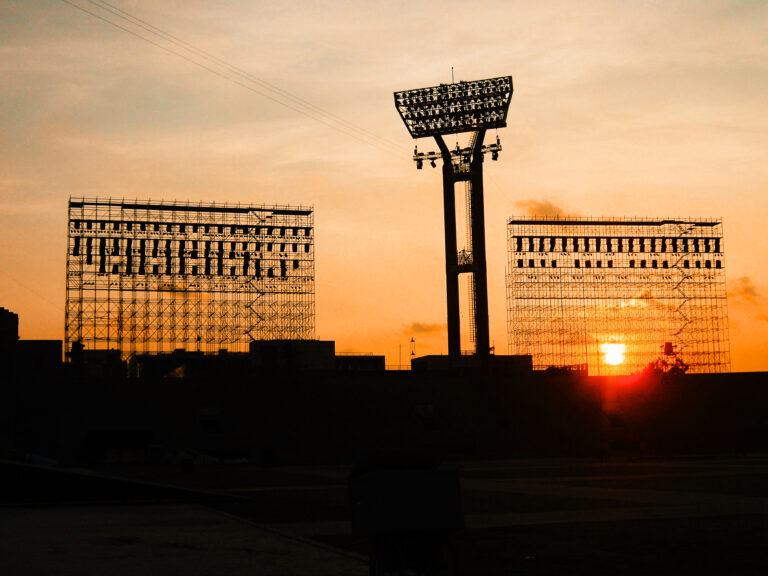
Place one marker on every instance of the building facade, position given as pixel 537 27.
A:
pixel 153 277
pixel 613 295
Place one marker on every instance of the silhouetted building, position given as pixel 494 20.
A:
pixel 39 355
pixel 181 364
pixel 101 365
pixel 616 294
pixel 360 362
pixel 9 327
pixel 26 356
pixel 263 355
pixel 496 364
pixel 293 354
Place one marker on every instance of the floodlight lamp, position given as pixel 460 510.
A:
pixel 419 164
pixel 495 155
pixel 455 108
pixel 432 163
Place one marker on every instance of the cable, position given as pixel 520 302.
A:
pixel 32 291
pixel 305 112
pixel 239 71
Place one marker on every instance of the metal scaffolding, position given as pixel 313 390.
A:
pixel 152 277
pixel 614 295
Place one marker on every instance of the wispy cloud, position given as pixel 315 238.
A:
pixel 542 208
pixel 763 317
pixel 424 328
pixel 743 290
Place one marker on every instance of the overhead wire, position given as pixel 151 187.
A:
pixel 276 94
pixel 31 290
pixel 309 111
pixel 239 71
pixel 21 233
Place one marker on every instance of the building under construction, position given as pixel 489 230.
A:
pixel 614 295
pixel 152 277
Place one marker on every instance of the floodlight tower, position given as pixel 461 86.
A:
pixel 452 109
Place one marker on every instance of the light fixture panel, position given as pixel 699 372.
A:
pixel 454 108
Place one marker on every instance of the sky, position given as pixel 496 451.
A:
pixel 620 108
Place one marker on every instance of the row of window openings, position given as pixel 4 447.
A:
pixel 249 268
pixel 193 228
pixel 615 244
pixel 209 247
pixel 609 263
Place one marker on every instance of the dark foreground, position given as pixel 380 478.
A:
pixel 705 515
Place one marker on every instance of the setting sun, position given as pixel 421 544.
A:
pixel 613 353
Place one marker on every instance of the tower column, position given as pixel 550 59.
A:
pixel 477 230
pixel 451 251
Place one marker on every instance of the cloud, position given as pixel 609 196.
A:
pixel 647 297
pixel 763 317
pixel 421 328
pixel 742 289
pixel 541 208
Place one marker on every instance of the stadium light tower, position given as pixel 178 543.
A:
pixel 455 108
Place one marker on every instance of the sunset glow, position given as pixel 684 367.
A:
pixel 613 353
pixel 641 109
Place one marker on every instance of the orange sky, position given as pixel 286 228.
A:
pixel 620 109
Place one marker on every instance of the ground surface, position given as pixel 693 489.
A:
pixel 707 515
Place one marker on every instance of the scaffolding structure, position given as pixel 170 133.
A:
pixel 153 277
pixel 613 295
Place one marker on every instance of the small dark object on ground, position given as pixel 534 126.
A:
pixel 409 515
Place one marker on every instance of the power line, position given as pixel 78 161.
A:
pixel 31 290
pixel 328 120
pixel 237 70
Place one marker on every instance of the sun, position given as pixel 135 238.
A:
pixel 613 353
